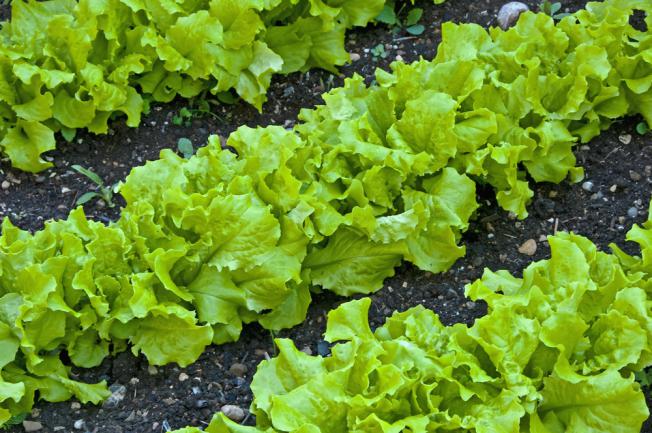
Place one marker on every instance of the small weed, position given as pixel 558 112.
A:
pixel 201 107
pixel 642 128
pixel 398 22
pixel 183 117
pixel 185 147
pixel 378 52
pixel 552 9
pixel 104 192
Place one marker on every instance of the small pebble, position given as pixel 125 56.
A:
pixel 625 138
pixel 152 370
pixel 238 369
pixel 587 186
pixel 183 377
pixel 5 184
pixel 613 188
pixel 79 424
pixel 75 405
pixel 65 190
pixel 118 393
pixel 355 57
pixel 529 247
pixel 233 412
pixel 632 212
pixel 510 12
pixel 634 176
pixel 131 417
pixel 31 426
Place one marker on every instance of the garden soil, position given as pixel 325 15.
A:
pixel 618 166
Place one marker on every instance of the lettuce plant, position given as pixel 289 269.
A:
pixel 498 106
pixel 556 352
pixel 67 64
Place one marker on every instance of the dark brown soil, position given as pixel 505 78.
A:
pixel 170 397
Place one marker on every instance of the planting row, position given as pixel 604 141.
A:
pixel 66 64
pixel 378 175
pixel 556 352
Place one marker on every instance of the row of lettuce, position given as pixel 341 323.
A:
pixel 377 175
pixel 69 64
pixel 556 352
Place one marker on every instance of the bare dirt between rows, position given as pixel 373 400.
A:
pixel 171 397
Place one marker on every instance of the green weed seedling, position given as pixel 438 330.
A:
pixel 201 107
pixel 379 52
pixel 552 9
pixel 642 128
pixel 104 191
pixel 185 147
pixel 183 117
pixel 398 22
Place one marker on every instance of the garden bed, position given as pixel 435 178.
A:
pixel 618 166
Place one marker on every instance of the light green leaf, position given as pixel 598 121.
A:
pixel 169 334
pixel 350 263
pixel 24 144
pixel 607 402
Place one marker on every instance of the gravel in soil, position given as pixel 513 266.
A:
pixel 613 196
